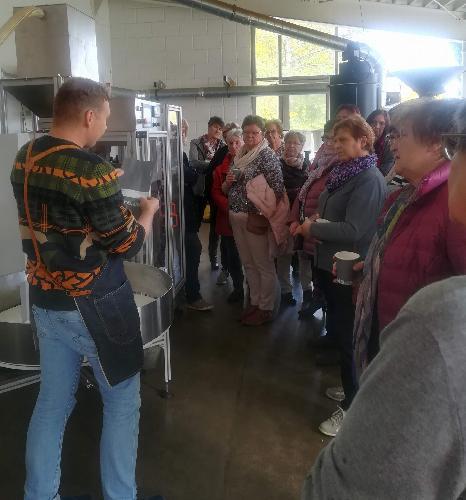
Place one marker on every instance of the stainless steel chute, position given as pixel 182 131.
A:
pixel 17 346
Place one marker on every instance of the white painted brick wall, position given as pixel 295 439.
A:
pixel 184 48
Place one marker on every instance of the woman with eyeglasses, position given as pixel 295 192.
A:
pixel 380 123
pixel 353 197
pixel 416 242
pixel 403 436
pixel 252 229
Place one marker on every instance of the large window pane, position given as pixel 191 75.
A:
pixel 268 106
pixel 301 58
pixel 266 54
pixel 308 112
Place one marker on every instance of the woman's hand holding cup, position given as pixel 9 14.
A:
pixel 230 179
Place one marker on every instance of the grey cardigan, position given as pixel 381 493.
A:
pixel 352 210
pixel 404 436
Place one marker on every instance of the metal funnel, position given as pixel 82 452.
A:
pixel 428 82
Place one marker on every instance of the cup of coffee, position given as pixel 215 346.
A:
pixel 236 172
pixel 344 262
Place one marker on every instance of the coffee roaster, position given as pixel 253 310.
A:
pixel 142 135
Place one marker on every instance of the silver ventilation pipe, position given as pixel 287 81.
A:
pixel 318 86
pixel 268 23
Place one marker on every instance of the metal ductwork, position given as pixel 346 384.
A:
pixel 268 23
pixel 217 92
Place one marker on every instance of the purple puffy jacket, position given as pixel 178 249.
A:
pixel 425 246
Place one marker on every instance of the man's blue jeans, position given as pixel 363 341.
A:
pixel 63 341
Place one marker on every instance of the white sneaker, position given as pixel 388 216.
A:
pixel 200 305
pixel 335 393
pixel 222 277
pixel 332 425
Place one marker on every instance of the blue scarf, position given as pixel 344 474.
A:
pixel 346 170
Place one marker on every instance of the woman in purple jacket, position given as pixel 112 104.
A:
pixel 416 242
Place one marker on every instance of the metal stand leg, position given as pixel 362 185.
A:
pixel 165 345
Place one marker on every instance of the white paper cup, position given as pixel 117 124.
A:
pixel 344 263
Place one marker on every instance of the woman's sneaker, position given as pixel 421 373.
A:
pixel 335 393
pixel 332 425
pixel 200 305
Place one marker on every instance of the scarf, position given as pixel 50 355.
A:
pixel 210 146
pixel 245 157
pixel 368 289
pixel 324 159
pixel 346 170
pixel 293 161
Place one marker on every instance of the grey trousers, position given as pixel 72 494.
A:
pixel 284 272
pixel 258 265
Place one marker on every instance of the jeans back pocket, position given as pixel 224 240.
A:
pixel 119 315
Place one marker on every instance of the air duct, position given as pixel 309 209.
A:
pixel 268 23
pixel 317 86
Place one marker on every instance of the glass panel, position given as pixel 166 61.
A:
pixel 267 106
pixel 266 54
pixel 308 114
pixel 159 231
pixel 175 213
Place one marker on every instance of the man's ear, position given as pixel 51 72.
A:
pixel 89 116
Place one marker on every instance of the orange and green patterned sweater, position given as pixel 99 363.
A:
pixel 79 219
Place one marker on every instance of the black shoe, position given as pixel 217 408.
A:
pixel 288 299
pixel 213 265
pixel 235 296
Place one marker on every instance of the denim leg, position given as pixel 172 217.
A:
pixel 60 368
pixel 120 428
pixel 63 341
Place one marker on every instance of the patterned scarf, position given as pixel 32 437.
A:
pixel 294 161
pixel 210 146
pixel 345 171
pixel 368 290
pixel 245 157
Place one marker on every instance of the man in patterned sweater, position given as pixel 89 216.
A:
pixel 75 231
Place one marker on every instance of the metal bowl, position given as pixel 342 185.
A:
pixel 17 348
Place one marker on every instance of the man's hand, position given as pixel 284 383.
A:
pixel 149 205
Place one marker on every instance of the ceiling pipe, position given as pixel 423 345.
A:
pixel 17 18
pixel 268 23
pixel 217 92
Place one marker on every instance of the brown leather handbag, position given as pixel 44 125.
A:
pixel 257 224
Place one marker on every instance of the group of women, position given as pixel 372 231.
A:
pixel 272 203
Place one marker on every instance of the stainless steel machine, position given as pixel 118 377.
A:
pixel 141 135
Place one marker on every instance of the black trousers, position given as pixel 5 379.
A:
pixel 193 248
pixel 232 261
pixel 340 320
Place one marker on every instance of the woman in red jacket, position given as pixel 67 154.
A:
pixel 416 243
pixel 305 205
pixel 233 263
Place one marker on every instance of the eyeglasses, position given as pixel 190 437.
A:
pixel 451 143
pixel 252 133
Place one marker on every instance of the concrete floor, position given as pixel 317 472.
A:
pixel 242 423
